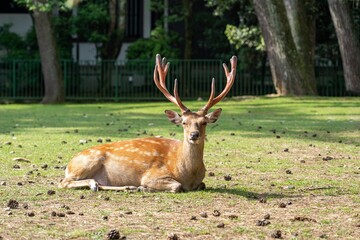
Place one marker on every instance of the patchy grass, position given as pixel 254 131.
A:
pixel 298 153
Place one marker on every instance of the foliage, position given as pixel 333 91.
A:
pixel 245 36
pixel 327 46
pixel 43 5
pixel 91 21
pixel 15 46
pixel 96 23
pixel 174 11
pixel 12 43
pixel 159 42
pixel 64 30
pixel 221 6
pixel 210 42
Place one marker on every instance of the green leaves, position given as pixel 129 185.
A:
pixel 96 18
pixel 42 5
pixel 245 36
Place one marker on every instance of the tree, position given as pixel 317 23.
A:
pixel 50 62
pixel 349 43
pixel 102 22
pixel 289 38
pixel 105 27
pixel 188 6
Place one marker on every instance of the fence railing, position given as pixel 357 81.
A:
pixel 133 80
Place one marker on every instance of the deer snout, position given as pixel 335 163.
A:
pixel 194 135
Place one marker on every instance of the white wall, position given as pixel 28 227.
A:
pixel 21 22
pixel 87 51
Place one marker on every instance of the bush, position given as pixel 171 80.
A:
pixel 159 42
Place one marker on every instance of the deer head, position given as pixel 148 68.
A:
pixel 194 123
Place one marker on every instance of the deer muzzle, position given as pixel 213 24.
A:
pixel 194 135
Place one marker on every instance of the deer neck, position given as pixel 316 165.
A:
pixel 191 155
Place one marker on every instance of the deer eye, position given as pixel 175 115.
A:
pixel 183 123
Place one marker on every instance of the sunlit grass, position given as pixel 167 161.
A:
pixel 271 147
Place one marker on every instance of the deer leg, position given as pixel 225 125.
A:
pixel 70 183
pixel 121 188
pixel 94 185
pixel 162 184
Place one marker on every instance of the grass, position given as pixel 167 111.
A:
pixel 300 151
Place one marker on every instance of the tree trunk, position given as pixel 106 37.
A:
pixel 302 27
pixel 349 43
pixel 116 30
pixel 110 49
pixel 189 29
pixel 290 52
pixel 50 63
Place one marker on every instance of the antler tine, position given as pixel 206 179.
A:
pixel 211 98
pixel 230 79
pixel 178 100
pixel 164 64
pixel 160 71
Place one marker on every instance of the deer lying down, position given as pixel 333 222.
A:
pixel 152 164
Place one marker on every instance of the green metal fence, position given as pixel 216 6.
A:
pixel 133 80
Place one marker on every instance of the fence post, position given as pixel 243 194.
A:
pixel 14 78
pixel 116 64
pixel 65 77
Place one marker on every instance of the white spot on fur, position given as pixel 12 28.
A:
pixel 134 150
pixel 151 141
pixel 121 158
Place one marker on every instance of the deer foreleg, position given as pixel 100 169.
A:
pixel 162 184
pixel 91 183
pixel 122 188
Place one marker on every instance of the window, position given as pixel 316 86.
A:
pixel 134 19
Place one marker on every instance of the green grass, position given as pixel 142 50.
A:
pixel 256 141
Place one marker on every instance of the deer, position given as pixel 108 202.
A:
pixel 152 164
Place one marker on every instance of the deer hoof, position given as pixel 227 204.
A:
pixel 145 189
pixel 94 186
pixel 201 187
pixel 178 189
pixel 142 189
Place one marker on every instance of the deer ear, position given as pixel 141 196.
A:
pixel 214 116
pixel 174 117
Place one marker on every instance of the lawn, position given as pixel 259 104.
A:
pixel 276 168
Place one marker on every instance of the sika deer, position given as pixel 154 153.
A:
pixel 152 164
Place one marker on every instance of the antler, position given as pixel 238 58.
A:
pixel 160 71
pixel 230 77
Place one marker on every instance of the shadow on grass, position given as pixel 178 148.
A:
pixel 299 118
pixel 249 194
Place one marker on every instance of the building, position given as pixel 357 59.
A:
pixel 139 22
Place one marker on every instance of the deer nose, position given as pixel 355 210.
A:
pixel 194 135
